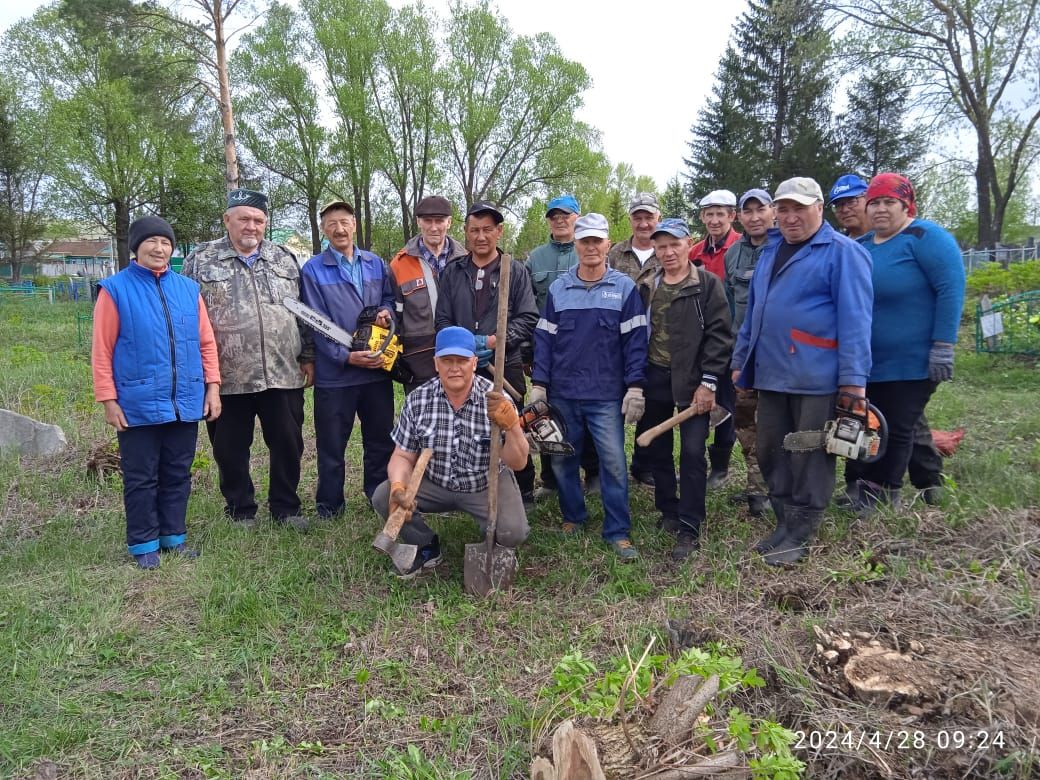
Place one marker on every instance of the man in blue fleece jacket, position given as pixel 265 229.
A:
pixel 590 352
pixel 338 284
pixel 805 337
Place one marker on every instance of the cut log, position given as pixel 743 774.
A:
pixel 721 764
pixel 574 755
pixel 681 706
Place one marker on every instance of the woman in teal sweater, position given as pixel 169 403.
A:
pixel 918 296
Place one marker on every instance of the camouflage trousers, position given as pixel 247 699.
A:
pixel 744 419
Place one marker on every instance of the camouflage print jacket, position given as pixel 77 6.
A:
pixel 622 258
pixel 260 344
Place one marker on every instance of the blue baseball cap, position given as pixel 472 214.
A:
pixel 455 341
pixel 673 227
pixel 565 202
pixel 848 186
pixel 761 196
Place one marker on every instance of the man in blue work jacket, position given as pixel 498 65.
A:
pixel 339 283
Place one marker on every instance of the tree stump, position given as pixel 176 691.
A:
pixel 681 706
pixel 574 757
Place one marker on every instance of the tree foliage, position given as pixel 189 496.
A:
pixel 975 61
pixel 769 117
pixel 876 134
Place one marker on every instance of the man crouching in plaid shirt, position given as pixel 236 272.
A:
pixel 452 414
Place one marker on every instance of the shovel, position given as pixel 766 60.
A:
pixel 402 555
pixel 488 567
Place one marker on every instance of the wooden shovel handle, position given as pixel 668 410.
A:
pixel 401 516
pixel 499 378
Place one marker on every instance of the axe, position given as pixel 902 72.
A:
pixel 402 555
pixel 716 417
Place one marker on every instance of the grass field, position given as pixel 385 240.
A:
pixel 281 655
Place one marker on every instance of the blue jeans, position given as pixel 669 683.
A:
pixel 607 428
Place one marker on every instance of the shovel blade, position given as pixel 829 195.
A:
pixel 477 580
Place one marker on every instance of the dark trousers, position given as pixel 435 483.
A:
pixel 281 422
pixel 334 411
pixel 902 403
pixel 799 479
pixel 688 505
pixel 589 463
pixel 156 463
pixel 925 466
pixel 514 374
pixel 726 397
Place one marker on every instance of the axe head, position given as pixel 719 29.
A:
pixel 401 555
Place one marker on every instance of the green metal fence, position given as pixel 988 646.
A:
pixel 1009 326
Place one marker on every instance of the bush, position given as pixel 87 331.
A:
pixel 992 279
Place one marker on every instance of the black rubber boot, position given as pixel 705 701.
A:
pixel 779 533
pixel 850 498
pixel 802 524
pixel 874 498
pixel 719 458
pixel 757 504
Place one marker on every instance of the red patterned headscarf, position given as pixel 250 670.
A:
pixel 892 185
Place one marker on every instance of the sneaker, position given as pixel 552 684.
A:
pixel 643 478
pixel 296 522
pixel 148 560
pixel 625 550
pixel 668 522
pixel 429 558
pixel 246 523
pixel 182 550
pixel 685 545
pixel 571 529
pixel 592 486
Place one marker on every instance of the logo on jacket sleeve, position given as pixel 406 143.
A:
pixel 616 296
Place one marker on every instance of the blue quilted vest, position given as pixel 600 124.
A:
pixel 157 363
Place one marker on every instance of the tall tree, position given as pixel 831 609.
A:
pixel 976 60
pixel 347 34
pixel 875 134
pixel 769 117
pixel 278 109
pixel 674 202
pixel 24 152
pixel 112 98
pixel 508 107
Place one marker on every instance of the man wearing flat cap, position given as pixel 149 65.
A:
pixel 806 337
pixel 340 283
pixel 468 297
pixel 266 358
pixel 414 271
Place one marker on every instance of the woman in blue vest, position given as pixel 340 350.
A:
pixel 155 369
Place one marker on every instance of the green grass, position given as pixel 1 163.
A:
pixel 280 655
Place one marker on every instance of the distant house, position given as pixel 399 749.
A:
pixel 77 257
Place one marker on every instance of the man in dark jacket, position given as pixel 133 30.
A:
pixel 757 215
pixel 414 271
pixel 690 345
pixel 468 297
pixel 339 283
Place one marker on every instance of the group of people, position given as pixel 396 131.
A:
pixel 768 324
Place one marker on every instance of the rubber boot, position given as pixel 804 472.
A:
pixel 802 524
pixel 719 458
pixel 874 498
pixel 757 504
pixel 779 533
pixel 850 498
pixel 687 541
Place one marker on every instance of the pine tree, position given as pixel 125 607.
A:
pixel 769 117
pixel 673 201
pixel 873 132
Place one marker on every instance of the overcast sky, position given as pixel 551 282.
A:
pixel 651 63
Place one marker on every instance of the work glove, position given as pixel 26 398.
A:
pixel 484 355
pixel 537 394
pixel 633 405
pixel 500 411
pixel 399 498
pixel 940 362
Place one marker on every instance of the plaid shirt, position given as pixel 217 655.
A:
pixel 461 440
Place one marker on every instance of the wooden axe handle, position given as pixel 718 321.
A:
pixel 400 516
pixel 649 435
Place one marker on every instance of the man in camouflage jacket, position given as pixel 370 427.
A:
pixel 266 357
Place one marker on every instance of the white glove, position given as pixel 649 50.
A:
pixel 633 405
pixel 537 394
